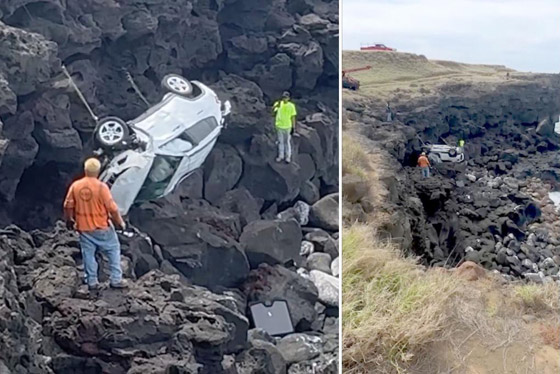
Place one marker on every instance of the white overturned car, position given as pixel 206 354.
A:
pixel 438 153
pixel 147 157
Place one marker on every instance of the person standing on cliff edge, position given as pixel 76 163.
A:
pixel 88 209
pixel 424 164
pixel 285 123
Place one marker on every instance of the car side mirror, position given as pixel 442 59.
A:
pixel 226 110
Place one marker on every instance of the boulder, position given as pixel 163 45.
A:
pixel 324 213
pixel 268 283
pixel 241 201
pixel 242 124
pixel 545 127
pixel 319 261
pixel 327 285
pixel 299 212
pixel 323 242
pixel 272 242
pixel 308 60
pixel 309 192
pixel 274 77
pixel 261 358
pixel 300 347
pixel 335 267
pixel 198 250
pixel 222 171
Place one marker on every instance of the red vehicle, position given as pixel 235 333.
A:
pixel 376 47
pixel 348 81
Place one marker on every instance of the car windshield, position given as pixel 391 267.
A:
pixel 158 179
pixel 199 131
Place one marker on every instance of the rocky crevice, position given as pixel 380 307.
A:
pixel 490 209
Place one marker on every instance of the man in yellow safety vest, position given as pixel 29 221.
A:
pixel 285 123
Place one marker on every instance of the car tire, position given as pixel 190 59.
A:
pixel 177 84
pixel 452 152
pixel 110 132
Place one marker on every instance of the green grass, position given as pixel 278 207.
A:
pixel 538 297
pixel 391 308
pixel 354 159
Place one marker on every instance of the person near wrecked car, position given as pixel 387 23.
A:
pixel 89 208
pixel 285 113
pixel 424 164
pixel 389 113
pixel 461 145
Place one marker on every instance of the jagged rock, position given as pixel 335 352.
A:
pixel 327 285
pixel 300 347
pixel 268 283
pixel 310 353
pixel 242 94
pixel 335 267
pixel 241 201
pixel 262 357
pixel 19 154
pixel 283 180
pixel 46 131
pixel 324 213
pixel 308 60
pixel 272 242
pixel 323 242
pixel 319 261
pixel 545 127
pixel 274 77
pixel 222 171
pixel 259 334
pixel 534 277
pixel 200 251
pixel 191 187
pixel 309 192
pixel 307 248
pixel 299 212
pixel 29 57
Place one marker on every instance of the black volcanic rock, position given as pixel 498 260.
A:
pixel 184 311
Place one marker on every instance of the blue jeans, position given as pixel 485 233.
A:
pixel 284 144
pixel 426 172
pixel 108 242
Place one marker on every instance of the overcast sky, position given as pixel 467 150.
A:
pixel 521 34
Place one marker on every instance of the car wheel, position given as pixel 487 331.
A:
pixel 177 84
pixel 452 152
pixel 111 131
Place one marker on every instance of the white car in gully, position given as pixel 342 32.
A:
pixel 147 157
pixel 438 153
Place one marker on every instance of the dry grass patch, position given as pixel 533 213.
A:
pixel 538 297
pixel 550 333
pixel 392 309
pixel 355 160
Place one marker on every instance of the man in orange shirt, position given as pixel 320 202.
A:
pixel 87 208
pixel 424 164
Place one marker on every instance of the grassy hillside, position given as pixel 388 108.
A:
pixel 402 318
pixel 415 73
